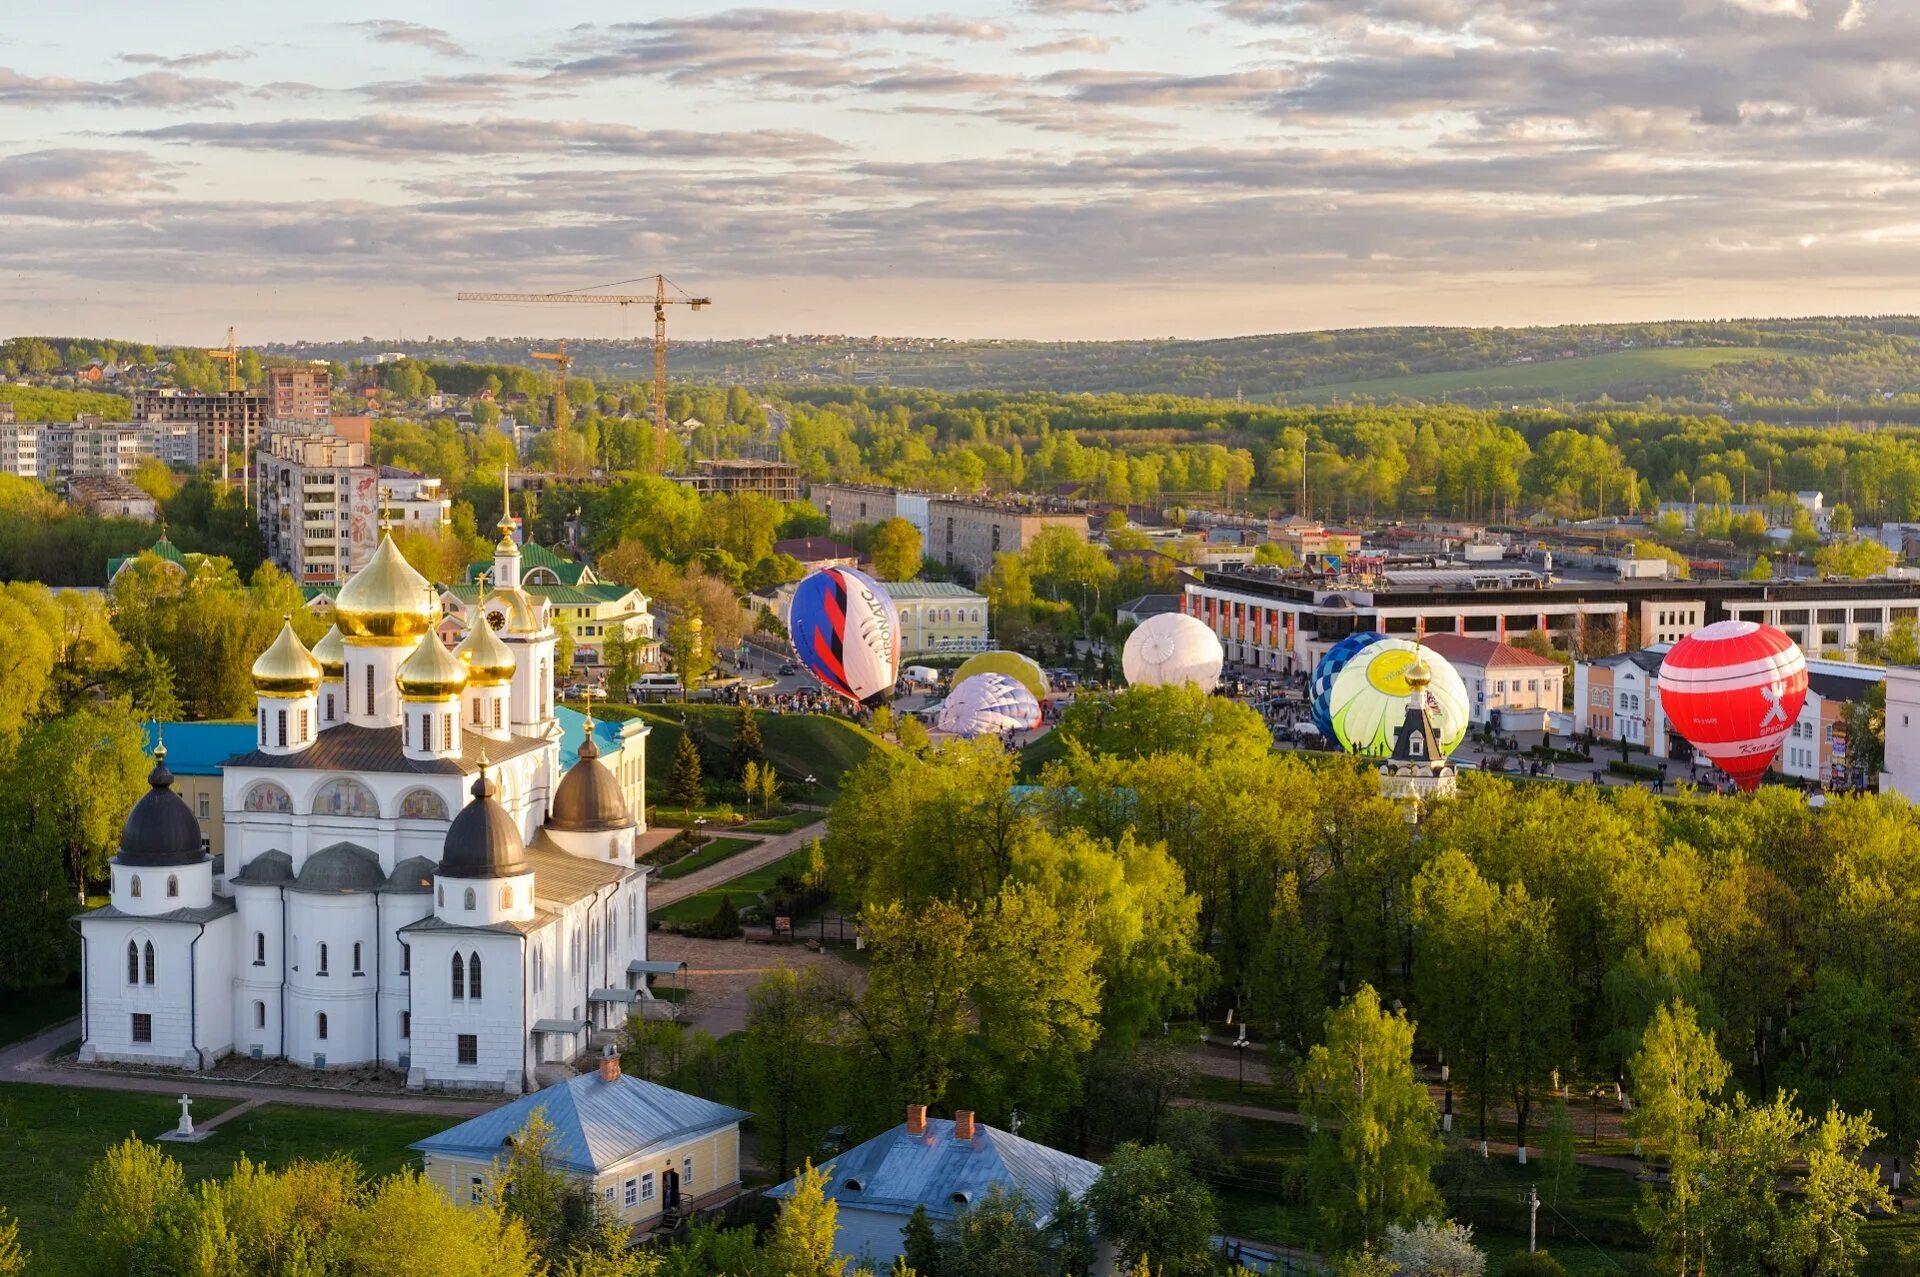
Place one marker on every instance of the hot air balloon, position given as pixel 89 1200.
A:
pixel 1329 669
pixel 846 632
pixel 1734 689
pixel 989 704
pixel 1173 648
pixel 1368 701
pixel 1022 669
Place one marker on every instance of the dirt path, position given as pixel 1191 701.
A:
pixel 721 972
pixel 664 891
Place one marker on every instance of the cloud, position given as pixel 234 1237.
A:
pixel 1055 7
pixel 187 61
pixel 397 138
pixel 394 31
pixel 477 88
pixel 70 173
pixel 152 89
pixel 1069 44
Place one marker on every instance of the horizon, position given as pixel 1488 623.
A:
pixel 1040 170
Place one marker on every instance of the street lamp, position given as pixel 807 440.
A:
pixel 1240 1045
pixel 812 780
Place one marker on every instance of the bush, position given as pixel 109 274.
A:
pixel 1538 1264
pixel 723 925
pixel 1639 771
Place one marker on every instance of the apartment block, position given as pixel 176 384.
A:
pixel 319 506
pixel 19 449
pixel 233 420
pixel 778 480
pixel 965 533
pixel 305 390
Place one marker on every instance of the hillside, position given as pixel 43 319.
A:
pixel 798 745
pixel 31 403
pixel 1619 374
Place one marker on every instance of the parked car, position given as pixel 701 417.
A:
pixel 788 667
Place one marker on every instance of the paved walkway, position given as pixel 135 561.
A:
pixel 664 891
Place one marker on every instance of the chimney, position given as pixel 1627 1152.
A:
pixel 916 1119
pixel 963 1125
pixel 610 1066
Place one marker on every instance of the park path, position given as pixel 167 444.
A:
pixel 664 891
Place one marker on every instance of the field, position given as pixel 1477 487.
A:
pixel 714 852
pixel 31 404
pixel 54 1134
pixel 743 891
pixel 1582 377
pixel 798 745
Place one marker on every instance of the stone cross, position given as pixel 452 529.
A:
pixel 186 1116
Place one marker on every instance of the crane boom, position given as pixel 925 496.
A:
pixel 658 300
pixel 230 354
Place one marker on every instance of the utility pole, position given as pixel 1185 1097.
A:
pixel 1533 1218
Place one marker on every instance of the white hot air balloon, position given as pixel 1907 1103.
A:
pixel 1170 649
pixel 989 704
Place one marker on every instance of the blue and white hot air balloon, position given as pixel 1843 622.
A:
pixel 989 705
pixel 846 632
pixel 1321 685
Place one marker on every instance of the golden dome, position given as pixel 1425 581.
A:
pixel 331 652
pixel 286 668
pixel 1418 675
pixel 386 602
pixel 489 662
pixel 431 673
pixel 515 609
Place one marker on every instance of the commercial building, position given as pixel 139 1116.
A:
pixel 305 390
pixel 939 617
pixel 1285 621
pixel 1505 684
pixel 965 533
pixel 778 480
pixel 231 419
pixel 851 505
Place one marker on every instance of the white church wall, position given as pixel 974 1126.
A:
pixel 344 995
pixel 496 1022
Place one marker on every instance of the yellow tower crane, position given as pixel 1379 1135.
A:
pixel 230 355
pixel 562 361
pixel 659 301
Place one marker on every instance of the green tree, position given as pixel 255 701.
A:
pixel 124 1195
pixel 761 783
pixel 1560 1144
pixel 787 1062
pixel 1290 984
pixel 920 1245
pixel 1856 557
pixel 552 1206
pixel 405 1226
pixel 997 1236
pixel 747 745
pixel 1676 1074
pixel 683 782
pixel 801 1243
pixel 14 1258
pixel 1148 1205
pixel 895 549
pixel 1374 1142
pixel 690 648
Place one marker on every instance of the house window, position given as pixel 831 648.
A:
pixel 459 977
pixel 146 955
pixel 323 960
pixel 406 1024
pixel 133 888
pixel 356 958
pixel 646 1187
pixel 204 808
pixel 259 1015
pixel 173 886
pixel 632 1192
pixel 473 976
pixel 133 963
pixel 259 948
pixel 142 1027
pixel 476 1186
pixel 469 1048
pixel 686 1171
pixel 320 1026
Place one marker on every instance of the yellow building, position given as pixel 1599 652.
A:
pixel 939 616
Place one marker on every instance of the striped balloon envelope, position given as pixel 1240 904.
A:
pixel 1734 689
pixel 1368 702
pixel 846 632
pixel 1321 684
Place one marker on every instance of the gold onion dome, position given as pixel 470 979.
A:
pixel 431 673
pixel 1418 675
pixel 386 601
pixel 331 652
pixel 286 668
pixel 489 662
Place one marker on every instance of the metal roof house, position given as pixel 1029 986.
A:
pixel 944 1165
pixel 650 1153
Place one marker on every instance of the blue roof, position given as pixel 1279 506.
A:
pixel 897 1172
pixel 198 749
pixel 573 730
pixel 596 1125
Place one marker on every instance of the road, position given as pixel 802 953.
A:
pixel 664 891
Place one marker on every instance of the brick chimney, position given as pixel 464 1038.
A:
pixel 610 1066
pixel 963 1125
pixel 916 1119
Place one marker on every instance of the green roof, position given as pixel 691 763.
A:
pixel 163 547
pixel 533 555
pixel 559 595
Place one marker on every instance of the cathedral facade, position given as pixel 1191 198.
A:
pixel 408 877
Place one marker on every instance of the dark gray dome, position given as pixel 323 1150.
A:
pixel 412 876
pixel 483 841
pixel 160 832
pixel 342 869
pixel 589 798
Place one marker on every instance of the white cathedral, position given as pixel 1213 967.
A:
pixel 408 879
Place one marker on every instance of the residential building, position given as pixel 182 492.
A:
pixel 852 505
pixel 1618 698
pixel 966 533
pixel 1902 774
pixel 19 448
pixel 319 506
pixel 89 446
pixel 1507 686
pixel 227 421
pixel 414 500
pixel 649 1155
pixel 778 480
pixel 819 552
pixel 111 497
pixel 305 390
pixel 941 1165
pixel 938 617
pixel 367 912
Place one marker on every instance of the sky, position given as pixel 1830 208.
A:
pixel 1018 168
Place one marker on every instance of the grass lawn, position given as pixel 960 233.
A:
pixel 1586 375
pixel 798 745
pixel 1037 753
pixel 24 1014
pixel 782 824
pixel 53 1134
pixel 744 891
pixel 714 852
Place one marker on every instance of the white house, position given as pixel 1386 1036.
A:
pixel 1502 679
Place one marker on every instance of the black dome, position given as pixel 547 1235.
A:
pixel 483 841
pixel 589 798
pixel 160 831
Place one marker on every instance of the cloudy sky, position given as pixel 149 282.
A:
pixel 1048 168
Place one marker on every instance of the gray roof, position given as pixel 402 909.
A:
pixel 411 877
pixel 897 1172
pixel 220 908
pixel 341 869
pixel 268 869
pixel 596 1125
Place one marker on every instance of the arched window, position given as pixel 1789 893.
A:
pixel 259 948
pixel 469 900
pixel 259 1015
pixel 506 897
pixel 267 796
pixel 133 963
pixel 345 796
pixel 496 714
pixel 473 976
pixel 539 969
pixel 422 804
pixel 446 731
pixel 173 886
pixel 133 888
pixel 356 958
pixel 320 1026
pixel 459 977
pixel 146 955
pixel 323 957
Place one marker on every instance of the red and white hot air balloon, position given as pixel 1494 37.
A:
pixel 1734 689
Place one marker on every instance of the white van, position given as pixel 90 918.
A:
pixel 653 687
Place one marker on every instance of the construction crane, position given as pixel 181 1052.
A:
pixel 563 361
pixel 659 301
pixel 231 355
